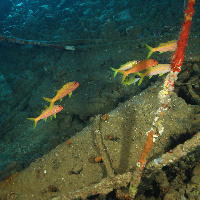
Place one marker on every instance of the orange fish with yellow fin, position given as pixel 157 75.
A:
pixel 65 90
pixel 142 65
pixel 49 112
pixel 163 47
pixel 158 69
pixel 125 66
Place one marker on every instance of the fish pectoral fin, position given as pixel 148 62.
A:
pixel 54 115
pixel 150 77
pixel 51 117
pixel 140 80
pixel 60 100
pixel 160 52
pixel 45 119
pixel 70 94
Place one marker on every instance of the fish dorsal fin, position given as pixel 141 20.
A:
pixel 57 92
pixel 60 100
pixel 161 74
pixel 70 94
pixel 50 117
pixel 167 43
pixel 171 41
pixel 45 107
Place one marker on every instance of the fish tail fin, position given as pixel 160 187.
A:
pixel 124 75
pixel 35 120
pixel 115 70
pixel 47 99
pixel 140 81
pixel 150 50
pixel 139 74
pixel 51 105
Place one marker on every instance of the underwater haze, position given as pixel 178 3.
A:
pixel 67 61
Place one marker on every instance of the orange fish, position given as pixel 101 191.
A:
pixel 65 90
pixel 125 66
pixel 142 65
pixel 163 47
pixel 47 113
pixel 158 69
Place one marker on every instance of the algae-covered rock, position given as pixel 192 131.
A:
pixel 69 164
pixel 109 32
pixel 134 31
pixel 196 175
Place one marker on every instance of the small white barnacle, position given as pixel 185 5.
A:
pixel 155 138
pixel 158 161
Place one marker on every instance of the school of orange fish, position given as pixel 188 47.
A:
pixel 53 109
pixel 133 67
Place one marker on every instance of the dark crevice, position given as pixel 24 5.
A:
pixel 180 140
pixel 181 93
